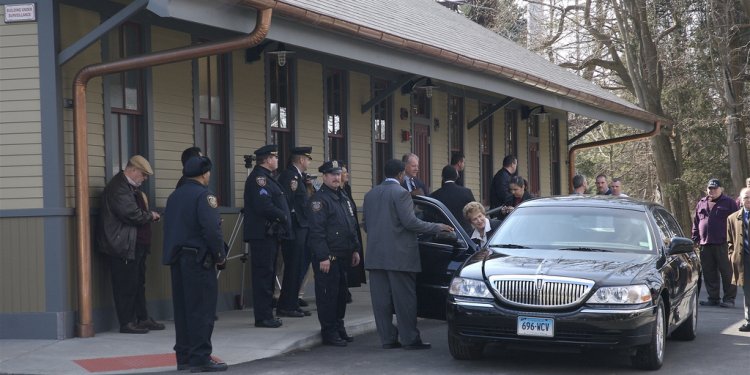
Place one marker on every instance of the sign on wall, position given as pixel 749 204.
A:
pixel 20 13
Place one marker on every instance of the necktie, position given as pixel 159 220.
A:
pixel 411 184
pixel 746 235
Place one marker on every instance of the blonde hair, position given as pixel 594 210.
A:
pixel 472 208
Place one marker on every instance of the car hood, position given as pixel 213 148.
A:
pixel 602 267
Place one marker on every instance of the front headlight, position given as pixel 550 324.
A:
pixel 626 295
pixel 469 288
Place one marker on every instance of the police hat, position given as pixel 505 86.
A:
pixel 267 150
pixel 141 163
pixel 714 183
pixel 332 166
pixel 196 166
pixel 304 151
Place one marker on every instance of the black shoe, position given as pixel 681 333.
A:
pixel 419 345
pixel 132 328
pixel 344 336
pixel 211 366
pixel 709 303
pixel 307 313
pixel 745 327
pixel 183 366
pixel 334 341
pixel 348 297
pixel 290 313
pixel 727 304
pixel 150 324
pixel 393 345
pixel 302 303
pixel 268 323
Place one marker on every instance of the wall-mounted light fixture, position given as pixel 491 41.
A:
pixel 527 112
pixel 281 54
pixel 427 86
pixel 436 124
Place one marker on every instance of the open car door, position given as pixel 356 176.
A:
pixel 441 255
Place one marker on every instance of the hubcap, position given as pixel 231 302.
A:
pixel 660 333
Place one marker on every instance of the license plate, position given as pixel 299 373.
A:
pixel 542 327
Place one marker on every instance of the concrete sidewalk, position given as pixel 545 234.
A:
pixel 235 340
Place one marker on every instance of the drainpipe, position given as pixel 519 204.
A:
pixel 85 327
pixel 606 142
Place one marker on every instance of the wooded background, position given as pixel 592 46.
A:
pixel 685 60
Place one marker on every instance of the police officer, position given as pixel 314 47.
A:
pixel 193 247
pixel 334 243
pixel 267 222
pixel 292 181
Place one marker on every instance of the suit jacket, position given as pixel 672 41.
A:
pixel 418 183
pixel 392 228
pixel 735 238
pixel 499 192
pixel 454 197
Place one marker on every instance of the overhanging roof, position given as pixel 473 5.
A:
pixel 420 37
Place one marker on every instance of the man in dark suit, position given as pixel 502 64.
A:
pixel 410 181
pixel 499 191
pixel 452 195
pixel 393 258
pixel 458 161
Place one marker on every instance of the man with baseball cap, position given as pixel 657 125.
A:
pixel 124 235
pixel 710 232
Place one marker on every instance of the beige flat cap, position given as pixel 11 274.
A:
pixel 141 163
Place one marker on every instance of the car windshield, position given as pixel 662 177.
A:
pixel 576 229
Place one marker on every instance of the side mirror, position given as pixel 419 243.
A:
pixel 447 238
pixel 680 245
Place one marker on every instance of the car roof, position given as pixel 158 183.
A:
pixel 600 201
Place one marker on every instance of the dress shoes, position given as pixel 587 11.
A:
pixel 211 366
pixel 132 328
pixel 307 313
pixel 301 302
pixel 393 345
pixel 344 336
pixel 709 303
pixel 727 304
pixel 150 324
pixel 334 341
pixel 290 313
pixel 745 327
pixel 183 366
pixel 419 345
pixel 268 323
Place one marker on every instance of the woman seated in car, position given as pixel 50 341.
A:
pixel 483 226
pixel 518 193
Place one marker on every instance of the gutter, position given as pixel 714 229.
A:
pixel 605 142
pixel 85 327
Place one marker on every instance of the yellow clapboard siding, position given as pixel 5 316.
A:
pixel 19 62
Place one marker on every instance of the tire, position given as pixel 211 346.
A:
pixel 686 330
pixel 651 355
pixel 464 351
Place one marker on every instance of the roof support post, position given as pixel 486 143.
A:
pixel 489 112
pixel 584 132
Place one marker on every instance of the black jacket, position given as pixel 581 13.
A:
pixel 120 218
pixel 499 191
pixel 356 276
pixel 293 185
pixel 454 197
pixel 265 206
pixel 333 228
pixel 418 183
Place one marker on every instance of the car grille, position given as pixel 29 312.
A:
pixel 540 291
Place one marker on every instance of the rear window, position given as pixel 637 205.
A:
pixel 568 227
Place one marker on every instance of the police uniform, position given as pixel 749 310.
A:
pixel 193 244
pixel 333 236
pixel 292 182
pixel 267 222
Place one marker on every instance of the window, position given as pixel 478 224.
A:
pixel 421 104
pixel 511 132
pixel 336 95
pixel 456 123
pixel 554 150
pixel 382 125
pixel 281 106
pixel 485 151
pixel 533 147
pixel 213 135
pixel 126 97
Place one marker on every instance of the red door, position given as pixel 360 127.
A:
pixel 422 149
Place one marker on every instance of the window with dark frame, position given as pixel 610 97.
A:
pixel 554 138
pixel 511 132
pixel 485 151
pixel 456 123
pixel 212 78
pixel 281 106
pixel 422 106
pixel 382 124
pixel 126 96
pixel 336 116
pixel 533 152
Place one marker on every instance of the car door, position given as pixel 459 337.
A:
pixel 689 266
pixel 673 271
pixel 441 255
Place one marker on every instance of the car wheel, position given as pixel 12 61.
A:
pixel 686 330
pixel 651 355
pixel 462 350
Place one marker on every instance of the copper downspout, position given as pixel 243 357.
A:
pixel 85 326
pixel 605 142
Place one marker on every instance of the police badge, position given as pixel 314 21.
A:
pixel 349 203
pixel 212 201
pixel 316 205
pixel 293 185
pixel 261 181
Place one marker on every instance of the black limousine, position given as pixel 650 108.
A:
pixel 568 272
